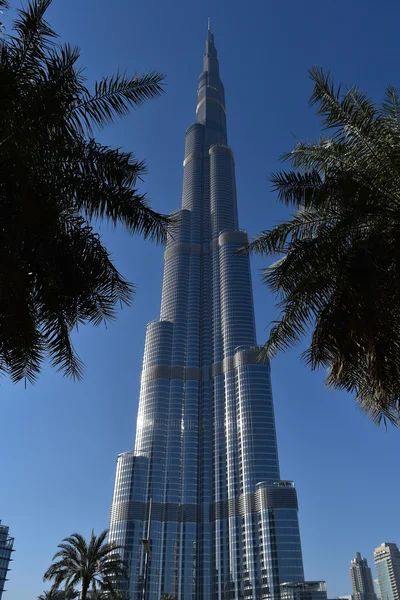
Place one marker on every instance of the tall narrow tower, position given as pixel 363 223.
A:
pixel 361 579
pixel 198 506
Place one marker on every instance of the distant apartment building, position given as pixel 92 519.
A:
pixel 361 579
pixel 387 565
pixel 6 548
pixel 377 589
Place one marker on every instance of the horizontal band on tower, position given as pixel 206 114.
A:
pixel 160 511
pixel 218 149
pixel 209 99
pixel 247 356
pixel 272 497
pixel 185 249
pixel 166 372
pixel 192 155
pixel 235 237
pixel 222 367
pixel 227 237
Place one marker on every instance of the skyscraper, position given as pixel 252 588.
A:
pixel 199 507
pixel 361 579
pixel 6 549
pixel 377 589
pixel 387 565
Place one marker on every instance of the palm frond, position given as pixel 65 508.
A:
pixel 336 280
pixel 390 109
pixel 93 565
pixel 34 36
pixel 304 224
pixel 356 122
pixel 316 157
pixel 4 4
pixel 57 182
pixel 113 96
pixel 295 188
pixel 104 180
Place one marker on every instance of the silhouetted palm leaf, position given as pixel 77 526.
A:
pixel 338 276
pixel 3 4
pixel 56 182
pixel 113 96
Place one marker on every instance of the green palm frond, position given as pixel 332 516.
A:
pixel 94 565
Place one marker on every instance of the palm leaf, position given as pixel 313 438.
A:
pixel 57 184
pixel 337 277
pixel 113 96
pixel 95 564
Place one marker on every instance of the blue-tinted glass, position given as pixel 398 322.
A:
pixel 202 487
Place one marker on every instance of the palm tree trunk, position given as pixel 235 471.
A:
pixel 84 590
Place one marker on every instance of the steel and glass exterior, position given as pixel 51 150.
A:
pixel 6 549
pixel 361 579
pixel 387 566
pixel 306 590
pixel 204 476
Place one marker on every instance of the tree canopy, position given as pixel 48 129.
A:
pixel 56 183
pixel 337 277
pixel 95 567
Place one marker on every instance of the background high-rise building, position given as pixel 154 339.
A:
pixel 199 507
pixel 377 588
pixel 6 548
pixel 361 579
pixel 304 590
pixel 387 566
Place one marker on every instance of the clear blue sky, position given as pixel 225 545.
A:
pixel 60 440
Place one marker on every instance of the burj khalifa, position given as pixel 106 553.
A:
pixel 199 508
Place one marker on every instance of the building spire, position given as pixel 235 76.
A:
pixel 210 37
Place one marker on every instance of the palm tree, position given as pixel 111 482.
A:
pixel 95 566
pixel 337 276
pixel 56 183
pixel 116 595
pixel 50 595
pixel 54 594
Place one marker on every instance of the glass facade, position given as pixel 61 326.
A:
pixel 6 549
pixel 199 508
pixel 387 565
pixel 361 579
pixel 308 590
pixel 377 589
